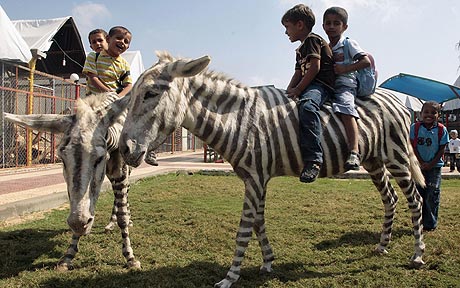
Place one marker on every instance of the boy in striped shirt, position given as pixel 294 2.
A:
pixel 108 70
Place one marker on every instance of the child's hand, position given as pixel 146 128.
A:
pixel 425 166
pixel 293 93
pixel 340 69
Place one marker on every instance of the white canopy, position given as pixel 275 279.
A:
pixel 39 33
pixel 410 102
pixel 454 103
pixel 134 59
pixel 13 46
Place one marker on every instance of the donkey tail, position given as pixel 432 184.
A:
pixel 415 169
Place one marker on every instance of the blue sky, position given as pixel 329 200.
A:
pixel 246 40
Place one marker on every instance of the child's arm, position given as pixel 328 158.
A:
pixel 295 79
pixel 96 82
pixel 429 165
pixel 362 63
pixel 125 90
pixel 314 66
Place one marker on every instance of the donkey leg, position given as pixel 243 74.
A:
pixel 119 177
pixel 402 176
pixel 248 216
pixel 389 198
pixel 65 263
pixel 113 219
pixel 259 228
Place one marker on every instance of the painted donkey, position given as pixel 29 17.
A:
pixel 256 131
pixel 89 151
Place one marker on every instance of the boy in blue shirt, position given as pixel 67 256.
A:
pixel 429 146
pixel 335 23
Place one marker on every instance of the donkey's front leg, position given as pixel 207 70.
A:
pixel 251 203
pixel 118 173
pixel 65 263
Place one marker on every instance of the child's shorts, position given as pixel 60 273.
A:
pixel 343 101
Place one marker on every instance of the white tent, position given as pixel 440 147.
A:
pixel 59 39
pixel 134 59
pixel 454 103
pixel 410 102
pixel 39 33
pixel 13 47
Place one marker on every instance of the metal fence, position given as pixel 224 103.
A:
pixel 50 95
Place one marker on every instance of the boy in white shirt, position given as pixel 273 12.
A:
pixel 454 150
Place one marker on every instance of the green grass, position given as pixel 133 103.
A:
pixel 323 235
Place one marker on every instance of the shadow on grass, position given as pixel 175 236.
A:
pixel 20 249
pixel 198 274
pixel 359 238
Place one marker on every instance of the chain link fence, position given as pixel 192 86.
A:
pixel 51 95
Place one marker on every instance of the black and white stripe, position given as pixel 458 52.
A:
pixel 256 131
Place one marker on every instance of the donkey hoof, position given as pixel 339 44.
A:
pixel 380 250
pixel 133 264
pixel 64 266
pixel 416 262
pixel 109 227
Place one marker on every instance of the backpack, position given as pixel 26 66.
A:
pixel 367 77
pixel 417 127
pixel 120 86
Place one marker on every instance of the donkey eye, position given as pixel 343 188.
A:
pixel 98 160
pixel 150 94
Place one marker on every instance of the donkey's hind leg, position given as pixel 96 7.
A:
pixel 377 172
pixel 403 177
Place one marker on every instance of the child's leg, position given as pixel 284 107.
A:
pixel 344 104
pixel 351 128
pixel 310 131
pixel 431 198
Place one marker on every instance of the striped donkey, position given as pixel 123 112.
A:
pixel 89 151
pixel 256 131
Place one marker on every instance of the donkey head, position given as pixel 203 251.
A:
pixel 83 151
pixel 158 105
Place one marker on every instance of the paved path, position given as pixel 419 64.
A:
pixel 28 190
pixel 36 189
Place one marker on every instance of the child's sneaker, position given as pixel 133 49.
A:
pixel 151 158
pixel 353 162
pixel 310 172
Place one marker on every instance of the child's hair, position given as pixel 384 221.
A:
pixel 96 31
pixel 339 11
pixel 302 13
pixel 121 29
pixel 433 104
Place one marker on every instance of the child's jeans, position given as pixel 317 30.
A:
pixel 454 162
pixel 310 122
pixel 431 195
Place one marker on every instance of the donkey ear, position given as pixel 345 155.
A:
pixel 54 123
pixel 189 68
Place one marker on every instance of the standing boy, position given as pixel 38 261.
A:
pixel 312 83
pixel 454 151
pixel 335 21
pixel 107 70
pixel 429 140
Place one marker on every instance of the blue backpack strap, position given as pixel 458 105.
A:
pixel 346 52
